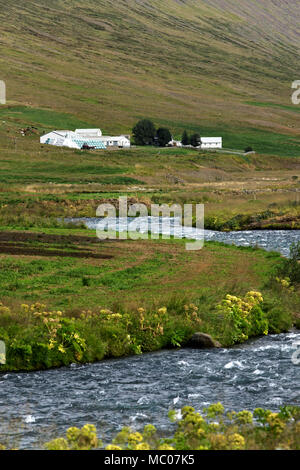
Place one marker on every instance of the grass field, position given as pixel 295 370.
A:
pixel 67 272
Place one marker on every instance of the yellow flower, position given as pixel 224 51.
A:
pixel 165 447
pixel 51 344
pixel 113 447
pixel 162 311
pixel 200 432
pixel 236 441
pixel 142 446
pixel 135 437
pixel 61 349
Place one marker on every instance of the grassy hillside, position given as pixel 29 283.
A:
pixel 217 66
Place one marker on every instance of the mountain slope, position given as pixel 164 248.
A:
pixel 199 64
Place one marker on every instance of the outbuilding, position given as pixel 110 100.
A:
pixel 211 142
pixel 85 138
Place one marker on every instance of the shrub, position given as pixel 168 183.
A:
pixel 77 439
pixel 279 318
pixel 290 267
pixel 243 317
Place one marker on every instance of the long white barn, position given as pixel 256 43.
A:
pixel 85 138
pixel 211 142
pixel 206 143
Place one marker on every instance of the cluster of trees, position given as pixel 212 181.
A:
pixel 194 139
pixel 145 133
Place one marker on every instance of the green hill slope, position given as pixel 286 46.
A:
pixel 200 64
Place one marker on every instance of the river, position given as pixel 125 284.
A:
pixel 277 240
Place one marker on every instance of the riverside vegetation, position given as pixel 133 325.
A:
pixel 213 429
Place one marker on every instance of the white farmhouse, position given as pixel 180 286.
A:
pixel 175 143
pixel 85 138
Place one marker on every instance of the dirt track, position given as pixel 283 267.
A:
pixel 23 243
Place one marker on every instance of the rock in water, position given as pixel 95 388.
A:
pixel 203 341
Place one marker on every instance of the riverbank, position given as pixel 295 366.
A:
pixel 73 299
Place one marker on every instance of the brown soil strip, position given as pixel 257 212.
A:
pixel 17 250
pixel 6 236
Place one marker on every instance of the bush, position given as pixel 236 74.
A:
pixel 290 267
pixel 243 318
pixel 77 439
pixel 279 318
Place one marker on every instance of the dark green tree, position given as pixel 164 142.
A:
pixel 185 138
pixel 195 140
pixel 163 136
pixel 144 132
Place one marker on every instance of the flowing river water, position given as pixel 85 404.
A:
pixel 277 240
pixel 37 406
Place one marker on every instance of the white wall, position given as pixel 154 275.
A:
pixel 211 142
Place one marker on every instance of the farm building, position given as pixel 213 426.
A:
pixel 206 143
pixel 84 139
pixel 211 142
pixel 175 143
